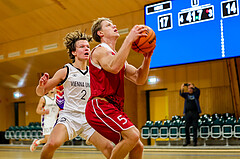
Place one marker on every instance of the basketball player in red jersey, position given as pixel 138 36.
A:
pixel 104 110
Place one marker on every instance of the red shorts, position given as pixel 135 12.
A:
pixel 106 119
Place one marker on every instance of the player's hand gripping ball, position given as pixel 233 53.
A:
pixel 145 44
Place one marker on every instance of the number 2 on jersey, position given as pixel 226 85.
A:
pixel 84 92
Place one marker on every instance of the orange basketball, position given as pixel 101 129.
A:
pixel 145 44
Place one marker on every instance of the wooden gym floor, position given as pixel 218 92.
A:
pixel 22 152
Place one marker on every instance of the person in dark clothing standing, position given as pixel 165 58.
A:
pixel 191 110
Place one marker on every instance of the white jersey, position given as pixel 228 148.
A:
pixel 76 89
pixel 48 120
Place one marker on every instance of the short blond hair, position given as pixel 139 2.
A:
pixel 97 25
pixel 70 41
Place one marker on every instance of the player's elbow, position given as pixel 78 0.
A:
pixel 140 82
pixel 115 69
pixel 39 92
pixel 38 112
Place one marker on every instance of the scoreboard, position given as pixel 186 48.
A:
pixel 190 31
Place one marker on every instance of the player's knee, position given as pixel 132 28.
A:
pixel 139 146
pixel 135 136
pixel 53 145
pixel 131 136
pixel 109 147
pixel 106 148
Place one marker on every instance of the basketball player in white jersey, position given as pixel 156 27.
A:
pixel 48 110
pixel 76 83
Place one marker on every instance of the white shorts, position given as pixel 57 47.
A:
pixel 47 130
pixel 48 126
pixel 76 124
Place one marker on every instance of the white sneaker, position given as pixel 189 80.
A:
pixel 34 145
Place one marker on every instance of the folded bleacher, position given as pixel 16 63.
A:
pixel 20 134
pixel 214 127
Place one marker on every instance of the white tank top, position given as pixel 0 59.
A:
pixel 48 120
pixel 76 89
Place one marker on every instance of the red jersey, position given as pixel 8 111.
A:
pixel 105 84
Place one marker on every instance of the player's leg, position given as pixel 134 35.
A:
pixel 37 142
pixel 58 136
pixel 102 144
pixel 113 125
pixel 34 145
pixel 92 136
pixel 127 144
pixel 137 151
pixel 43 140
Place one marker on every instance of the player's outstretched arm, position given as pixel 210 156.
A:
pixel 46 84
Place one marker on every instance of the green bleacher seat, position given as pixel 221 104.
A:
pixel 34 133
pixel 226 116
pixel 17 134
pixel 182 132
pixel 174 128
pixel 31 124
pixel 216 128
pixel 236 131
pixel 12 130
pixel 175 117
pixel 145 130
pixel 154 130
pixel 39 131
pixel 7 135
pixel 227 128
pixel 28 134
pixel 163 131
pixel 215 116
pixel 23 132
pixel 182 118
pixel 38 127
pixel 205 129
